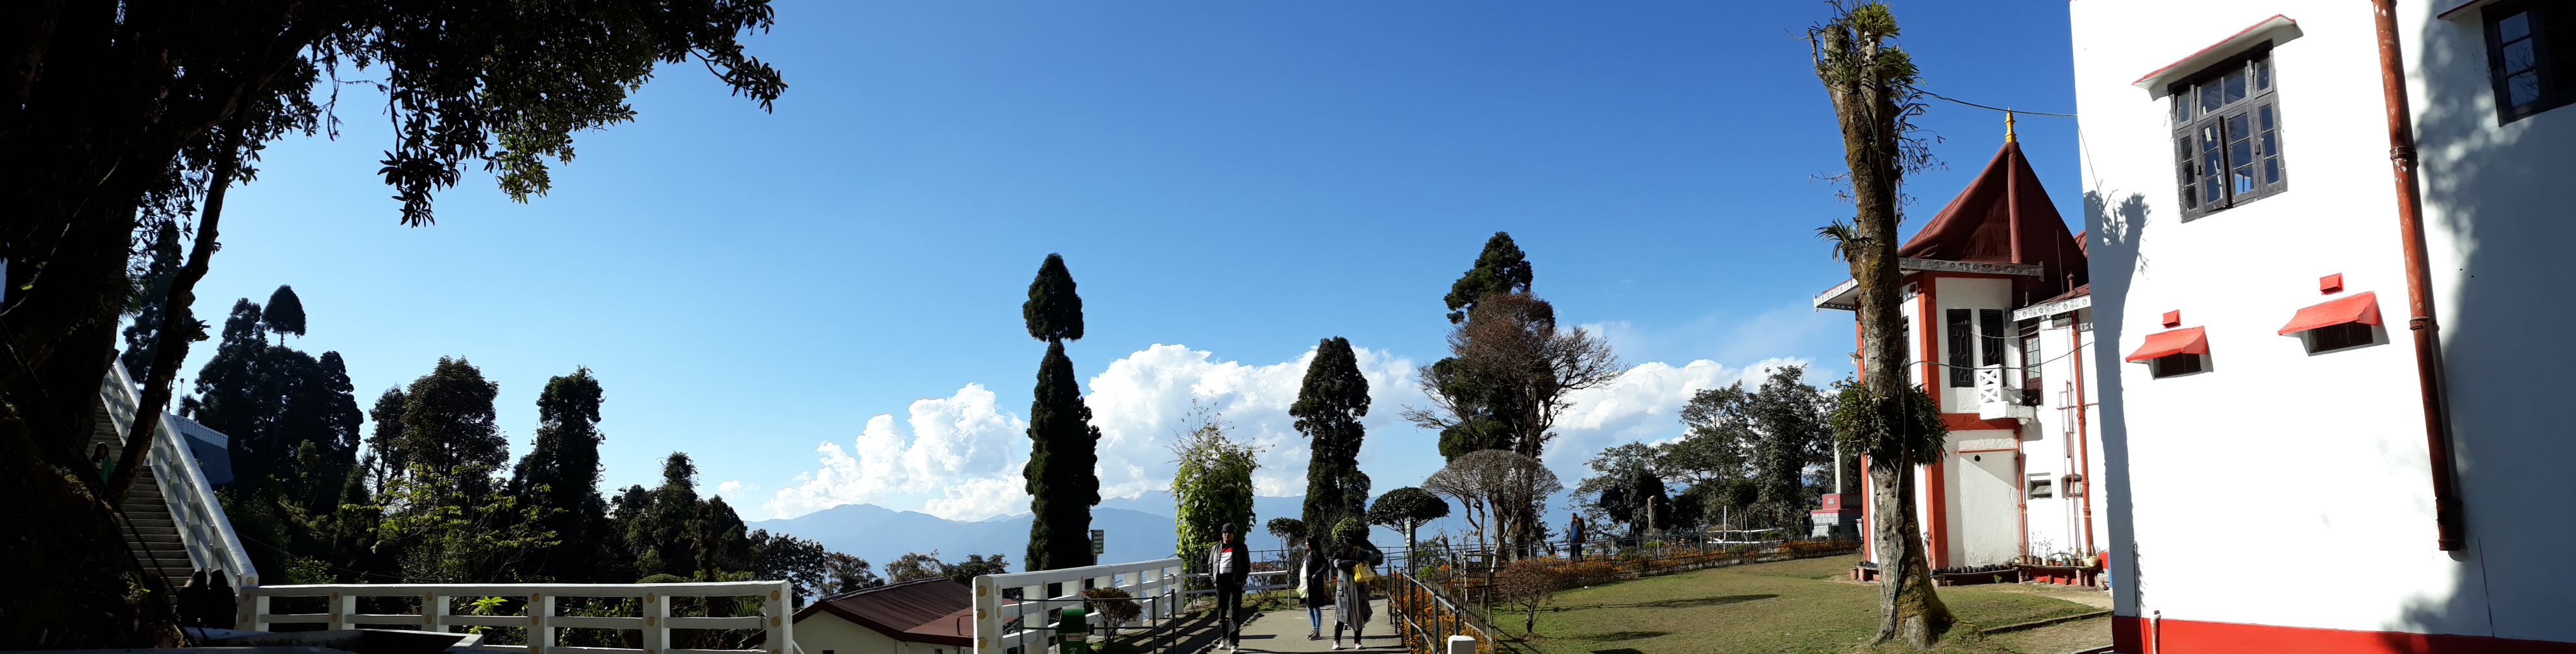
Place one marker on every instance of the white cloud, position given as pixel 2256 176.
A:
pixel 959 446
pixel 960 457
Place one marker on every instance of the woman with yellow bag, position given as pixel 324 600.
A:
pixel 1355 566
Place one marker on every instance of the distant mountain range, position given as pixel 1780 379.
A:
pixel 1139 529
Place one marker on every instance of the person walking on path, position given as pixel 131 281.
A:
pixel 1351 604
pixel 1315 584
pixel 1229 564
pixel 1574 538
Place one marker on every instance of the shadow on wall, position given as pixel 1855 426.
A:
pixel 2488 184
pixel 2114 264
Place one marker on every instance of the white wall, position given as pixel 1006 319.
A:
pixel 2277 446
pixel 822 631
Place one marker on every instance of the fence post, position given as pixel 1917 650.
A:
pixel 433 612
pixel 540 636
pixel 782 622
pixel 342 604
pixel 1462 645
pixel 657 623
pixel 252 608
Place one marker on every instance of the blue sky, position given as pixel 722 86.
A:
pixel 1240 179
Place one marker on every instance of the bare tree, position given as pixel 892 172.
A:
pixel 1528 584
pixel 1871 83
pixel 1491 484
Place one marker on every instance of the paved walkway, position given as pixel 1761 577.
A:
pixel 1285 631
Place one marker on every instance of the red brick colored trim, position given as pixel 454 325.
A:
pixel 2135 634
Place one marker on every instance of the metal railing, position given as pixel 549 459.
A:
pixel 1425 618
pixel 539 616
pixel 1004 624
pixel 203 528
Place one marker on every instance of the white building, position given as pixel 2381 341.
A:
pixel 1996 309
pixel 2282 449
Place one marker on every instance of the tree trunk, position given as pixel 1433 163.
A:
pixel 178 322
pixel 1865 104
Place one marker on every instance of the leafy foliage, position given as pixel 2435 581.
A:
pixel 1054 311
pixel 1211 487
pixel 1490 483
pixel 1861 423
pixel 1330 403
pixel 564 461
pixel 915 565
pixel 1405 508
pixel 285 312
pixel 1778 430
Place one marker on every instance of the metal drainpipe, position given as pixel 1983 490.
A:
pixel 2450 535
pixel 2083 432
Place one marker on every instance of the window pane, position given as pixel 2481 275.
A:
pixel 2524 88
pixel 2209 100
pixel 2240 152
pixel 1963 348
pixel 2270 144
pixel 2212 164
pixel 2514 27
pixel 2262 75
pixel 2190 193
pixel 2518 57
pixel 2235 83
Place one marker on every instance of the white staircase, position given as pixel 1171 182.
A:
pixel 174 523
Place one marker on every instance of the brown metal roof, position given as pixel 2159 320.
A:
pixel 1978 226
pixel 934 611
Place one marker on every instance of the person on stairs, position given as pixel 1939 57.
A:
pixel 1230 564
pixel 1315 584
pixel 1351 603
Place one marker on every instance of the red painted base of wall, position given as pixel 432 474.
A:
pixel 2131 635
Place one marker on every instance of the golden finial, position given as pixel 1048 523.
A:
pixel 2008 128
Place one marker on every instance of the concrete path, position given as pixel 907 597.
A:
pixel 1285 631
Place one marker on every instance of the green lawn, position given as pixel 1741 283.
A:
pixel 1790 606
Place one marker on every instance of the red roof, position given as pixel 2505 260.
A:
pixel 2189 340
pixel 2361 308
pixel 920 611
pixel 1978 226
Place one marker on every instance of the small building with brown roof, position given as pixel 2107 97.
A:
pixel 922 616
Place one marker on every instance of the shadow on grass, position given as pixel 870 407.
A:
pixel 1623 635
pixel 1622 650
pixel 1670 604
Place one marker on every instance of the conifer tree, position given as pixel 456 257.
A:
pixel 1328 410
pixel 285 313
pixel 1062 481
pixel 1501 268
pixel 560 475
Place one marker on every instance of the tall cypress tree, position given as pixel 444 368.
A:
pixel 560 475
pixel 1328 410
pixel 1062 481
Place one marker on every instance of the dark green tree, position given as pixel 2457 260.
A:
pixel 285 313
pixel 1328 409
pixel 123 114
pixel 664 535
pixel 1406 508
pixel 447 424
pixel 151 299
pixel 1062 477
pixel 1501 268
pixel 1779 429
pixel 560 474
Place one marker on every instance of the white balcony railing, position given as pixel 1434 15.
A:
pixel 539 614
pixel 1997 400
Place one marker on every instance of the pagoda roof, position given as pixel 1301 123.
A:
pixel 1978 226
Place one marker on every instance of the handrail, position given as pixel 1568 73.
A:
pixel 204 530
pixel 1409 598
pixel 539 617
pixel 1152 583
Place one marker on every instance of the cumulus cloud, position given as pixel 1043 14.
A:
pixel 959 446
pixel 959 457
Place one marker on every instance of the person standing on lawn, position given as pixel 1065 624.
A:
pixel 1574 538
pixel 1315 584
pixel 1230 563
pixel 1351 603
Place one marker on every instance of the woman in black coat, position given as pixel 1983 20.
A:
pixel 1316 581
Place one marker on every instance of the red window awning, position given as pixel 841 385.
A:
pixel 2168 343
pixel 2361 308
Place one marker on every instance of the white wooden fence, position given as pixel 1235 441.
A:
pixel 1154 584
pixel 655 619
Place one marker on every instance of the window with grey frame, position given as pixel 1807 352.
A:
pixel 2227 135
pixel 2531 52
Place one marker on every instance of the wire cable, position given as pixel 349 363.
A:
pixel 1980 106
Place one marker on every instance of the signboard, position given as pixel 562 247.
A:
pixel 1097 547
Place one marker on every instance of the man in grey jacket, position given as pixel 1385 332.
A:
pixel 1230 563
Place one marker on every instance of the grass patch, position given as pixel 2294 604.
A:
pixel 1789 606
